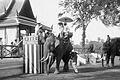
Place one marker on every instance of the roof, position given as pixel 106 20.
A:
pixel 16 12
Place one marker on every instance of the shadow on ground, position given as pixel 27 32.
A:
pixel 95 69
pixel 88 72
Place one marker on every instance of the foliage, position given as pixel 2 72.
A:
pixel 95 46
pixel 84 11
pixel 111 14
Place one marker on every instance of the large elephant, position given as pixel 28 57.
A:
pixel 60 52
pixel 110 50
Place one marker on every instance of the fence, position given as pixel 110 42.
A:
pixel 9 51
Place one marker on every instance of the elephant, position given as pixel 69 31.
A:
pixel 58 53
pixel 110 50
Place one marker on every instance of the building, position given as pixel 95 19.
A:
pixel 15 16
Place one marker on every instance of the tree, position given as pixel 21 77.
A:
pixel 84 11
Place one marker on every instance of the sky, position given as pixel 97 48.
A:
pixel 46 12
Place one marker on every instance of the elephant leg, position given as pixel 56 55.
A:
pixel 52 61
pixel 58 59
pixel 49 60
pixel 107 60
pixel 45 67
pixel 103 59
pixel 112 60
pixel 48 63
pixel 66 67
pixel 66 60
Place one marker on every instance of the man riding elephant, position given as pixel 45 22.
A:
pixel 111 49
pixel 61 51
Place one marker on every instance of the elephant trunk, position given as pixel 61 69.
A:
pixel 48 47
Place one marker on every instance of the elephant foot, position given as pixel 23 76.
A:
pixel 103 65
pixel 107 65
pixel 47 73
pixel 65 70
pixel 56 72
pixel 112 65
pixel 76 72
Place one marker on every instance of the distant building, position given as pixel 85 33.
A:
pixel 15 16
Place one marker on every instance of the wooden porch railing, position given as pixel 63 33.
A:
pixel 10 51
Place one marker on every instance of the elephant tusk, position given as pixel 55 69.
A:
pixel 44 59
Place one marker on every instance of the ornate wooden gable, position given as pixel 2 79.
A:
pixel 16 12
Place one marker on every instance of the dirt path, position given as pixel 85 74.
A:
pixel 86 72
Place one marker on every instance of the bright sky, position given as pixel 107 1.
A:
pixel 47 10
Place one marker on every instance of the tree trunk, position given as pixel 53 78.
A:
pixel 83 43
pixel 83 38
